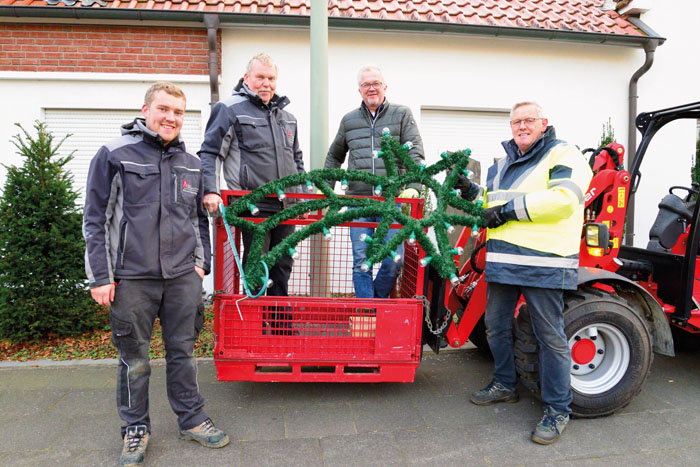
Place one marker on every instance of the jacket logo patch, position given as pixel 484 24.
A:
pixel 184 184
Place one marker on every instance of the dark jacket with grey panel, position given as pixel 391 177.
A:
pixel 253 142
pixel 360 134
pixel 143 216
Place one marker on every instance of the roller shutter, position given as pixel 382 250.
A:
pixel 451 130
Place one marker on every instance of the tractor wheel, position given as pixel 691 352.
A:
pixel 611 351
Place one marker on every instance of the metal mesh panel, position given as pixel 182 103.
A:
pixel 320 332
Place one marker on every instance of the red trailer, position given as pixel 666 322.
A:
pixel 321 332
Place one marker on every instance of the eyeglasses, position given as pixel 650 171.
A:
pixel 375 85
pixel 526 121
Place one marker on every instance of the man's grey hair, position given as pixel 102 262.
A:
pixel 369 68
pixel 540 113
pixel 260 58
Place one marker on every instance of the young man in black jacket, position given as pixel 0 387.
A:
pixel 147 250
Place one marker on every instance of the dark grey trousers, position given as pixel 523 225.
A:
pixel 178 304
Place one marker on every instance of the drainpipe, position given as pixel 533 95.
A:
pixel 212 24
pixel 649 49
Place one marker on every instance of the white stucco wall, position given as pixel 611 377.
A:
pixel 579 85
pixel 671 81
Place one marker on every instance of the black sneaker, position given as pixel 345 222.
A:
pixel 493 393
pixel 206 434
pixel 550 427
pixel 135 444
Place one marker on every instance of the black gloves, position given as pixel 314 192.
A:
pixel 494 217
pixel 470 190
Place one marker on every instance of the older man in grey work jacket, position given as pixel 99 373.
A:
pixel 254 140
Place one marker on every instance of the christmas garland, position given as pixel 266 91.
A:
pixel 440 256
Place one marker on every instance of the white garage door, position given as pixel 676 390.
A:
pixel 452 130
pixel 90 129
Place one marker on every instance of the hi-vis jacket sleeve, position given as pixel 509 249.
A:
pixel 567 178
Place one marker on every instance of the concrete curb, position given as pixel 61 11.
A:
pixel 101 362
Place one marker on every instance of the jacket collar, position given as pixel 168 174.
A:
pixel 513 152
pixel 138 127
pixel 382 108
pixel 277 101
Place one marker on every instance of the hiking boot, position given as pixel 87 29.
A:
pixel 135 443
pixel 550 427
pixel 206 434
pixel 493 393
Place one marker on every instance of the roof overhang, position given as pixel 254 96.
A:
pixel 261 19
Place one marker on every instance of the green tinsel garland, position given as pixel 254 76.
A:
pixel 440 257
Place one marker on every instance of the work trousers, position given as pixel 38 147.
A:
pixel 546 308
pixel 178 304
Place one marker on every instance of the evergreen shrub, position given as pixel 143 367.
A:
pixel 43 289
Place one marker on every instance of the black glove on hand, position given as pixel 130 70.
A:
pixel 470 190
pixel 494 218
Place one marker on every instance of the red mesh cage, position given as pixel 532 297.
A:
pixel 321 332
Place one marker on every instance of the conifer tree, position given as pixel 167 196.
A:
pixel 43 289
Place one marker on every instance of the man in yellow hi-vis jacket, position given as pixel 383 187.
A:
pixel 534 201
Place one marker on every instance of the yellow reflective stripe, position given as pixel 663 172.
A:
pixel 565 183
pixel 539 261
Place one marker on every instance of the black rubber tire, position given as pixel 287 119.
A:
pixel 478 338
pixel 583 308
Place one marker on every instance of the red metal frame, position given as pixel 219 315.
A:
pixel 330 336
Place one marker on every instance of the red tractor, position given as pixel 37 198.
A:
pixel 630 302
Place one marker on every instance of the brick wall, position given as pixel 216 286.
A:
pixel 104 49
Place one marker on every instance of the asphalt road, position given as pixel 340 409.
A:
pixel 65 415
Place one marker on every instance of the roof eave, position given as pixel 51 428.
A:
pixel 336 23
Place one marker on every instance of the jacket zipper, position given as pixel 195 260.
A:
pixel 274 139
pixel 371 128
pixel 124 234
pixel 175 186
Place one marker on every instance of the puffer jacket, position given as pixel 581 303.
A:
pixel 253 142
pixel 542 194
pixel 143 216
pixel 360 134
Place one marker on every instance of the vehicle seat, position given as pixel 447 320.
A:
pixel 671 221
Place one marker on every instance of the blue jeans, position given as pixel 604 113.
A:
pixel 382 285
pixel 546 308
